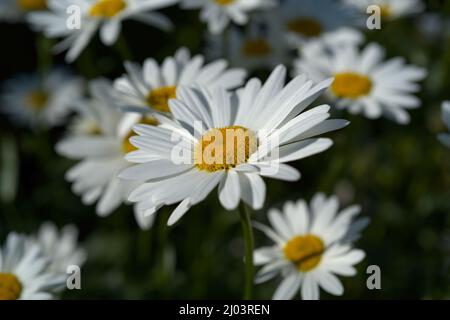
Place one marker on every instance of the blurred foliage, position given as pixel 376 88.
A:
pixel 399 174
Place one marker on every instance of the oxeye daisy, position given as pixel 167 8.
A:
pixel 310 19
pixel 33 100
pixel 445 137
pixel 16 10
pixel 313 244
pixel 61 246
pixel 363 82
pixel 103 15
pixel 24 273
pixel 389 9
pixel 151 86
pixel 230 140
pixel 218 13
pixel 100 142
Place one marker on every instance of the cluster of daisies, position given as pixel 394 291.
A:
pixel 142 139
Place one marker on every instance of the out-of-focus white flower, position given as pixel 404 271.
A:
pixel 218 13
pixel 389 9
pixel 103 15
pixel 34 100
pixel 100 143
pixel 24 272
pixel 16 10
pixel 363 82
pixel 312 245
pixel 241 137
pixel 445 137
pixel 61 246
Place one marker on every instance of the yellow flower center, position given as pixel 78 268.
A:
pixel 351 85
pixel 10 287
pixel 308 27
pixel 37 99
pixel 385 11
pixel 224 148
pixel 32 5
pixel 126 144
pixel 159 98
pixel 256 48
pixel 304 251
pixel 107 8
pixel 224 2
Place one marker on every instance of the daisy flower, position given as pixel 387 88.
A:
pixel 23 271
pixel 312 245
pixel 389 9
pixel 103 15
pixel 61 246
pixel 16 10
pixel 33 100
pixel 218 13
pixel 100 140
pixel 445 137
pixel 230 140
pixel 363 82
pixel 309 19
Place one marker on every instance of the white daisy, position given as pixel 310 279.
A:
pixel 242 137
pixel 152 86
pixel 363 81
pixel 103 15
pixel 23 271
pixel 60 246
pixel 16 10
pixel 309 19
pixel 389 9
pixel 33 100
pixel 100 143
pixel 445 137
pixel 218 13
pixel 313 245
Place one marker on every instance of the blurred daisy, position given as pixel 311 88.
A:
pixel 389 9
pixel 309 19
pixel 16 10
pixel 32 100
pixel 60 246
pixel 23 271
pixel 103 15
pixel 152 86
pixel 218 13
pixel 100 144
pixel 445 137
pixel 313 245
pixel 363 82
pixel 229 140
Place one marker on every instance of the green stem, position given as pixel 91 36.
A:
pixel 248 237
pixel 123 49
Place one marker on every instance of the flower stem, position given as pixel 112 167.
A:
pixel 248 237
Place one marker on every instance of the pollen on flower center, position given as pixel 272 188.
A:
pixel 224 148
pixel 37 99
pixel 304 251
pixel 10 287
pixel 385 11
pixel 256 48
pixel 32 5
pixel 126 144
pixel 305 26
pixel 224 2
pixel 107 8
pixel 159 98
pixel 351 85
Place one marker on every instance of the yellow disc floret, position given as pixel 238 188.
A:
pixel 159 98
pixel 256 48
pixel 307 27
pixel 32 5
pixel 351 85
pixel 10 287
pixel 107 8
pixel 304 251
pixel 224 2
pixel 126 144
pixel 37 99
pixel 224 148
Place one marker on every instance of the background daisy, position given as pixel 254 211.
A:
pixel 313 244
pixel 16 10
pixel 390 9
